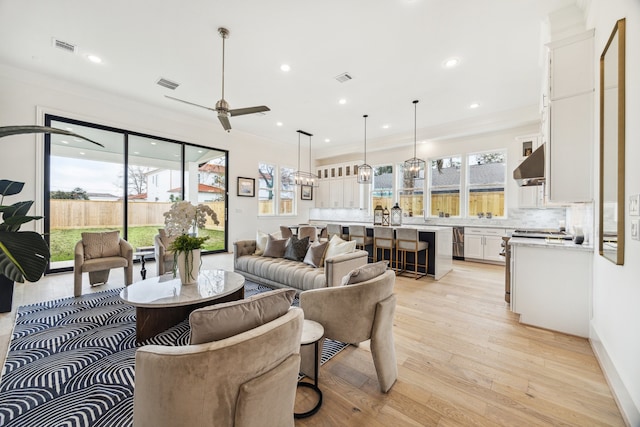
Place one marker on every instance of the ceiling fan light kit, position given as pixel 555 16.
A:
pixel 303 177
pixel 222 106
pixel 365 171
pixel 414 165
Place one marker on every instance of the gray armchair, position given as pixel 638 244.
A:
pixel 97 254
pixel 164 258
pixel 356 313
pixel 246 380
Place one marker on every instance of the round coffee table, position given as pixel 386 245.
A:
pixel 162 302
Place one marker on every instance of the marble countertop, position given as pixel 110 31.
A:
pixel 555 244
pixel 370 225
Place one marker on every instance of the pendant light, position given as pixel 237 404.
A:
pixel 413 166
pixel 303 177
pixel 365 172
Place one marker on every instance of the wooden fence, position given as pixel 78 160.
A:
pixel 67 214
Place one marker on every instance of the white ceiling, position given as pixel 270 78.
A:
pixel 394 49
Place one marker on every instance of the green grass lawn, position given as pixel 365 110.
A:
pixel 63 242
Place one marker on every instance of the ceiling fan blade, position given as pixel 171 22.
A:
pixel 190 103
pixel 224 119
pixel 249 110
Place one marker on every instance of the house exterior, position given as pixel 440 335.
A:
pixel 26 96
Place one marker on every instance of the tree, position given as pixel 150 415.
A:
pixel 137 179
pixel 75 194
pixel 486 158
pixel 267 174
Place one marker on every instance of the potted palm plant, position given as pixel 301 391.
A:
pixel 23 254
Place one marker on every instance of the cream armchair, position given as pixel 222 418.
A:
pixel 97 254
pixel 246 380
pixel 356 313
pixel 164 258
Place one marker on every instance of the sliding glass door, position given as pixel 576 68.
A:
pixel 125 186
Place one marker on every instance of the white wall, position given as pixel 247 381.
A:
pixel 616 289
pixel 24 96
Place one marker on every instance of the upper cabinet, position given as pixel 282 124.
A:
pixel 569 131
pixel 339 187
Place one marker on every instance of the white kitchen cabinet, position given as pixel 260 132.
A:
pixel 483 244
pixel 351 192
pixel 339 187
pixel 321 194
pixel 569 150
pixel 336 193
pixel 551 287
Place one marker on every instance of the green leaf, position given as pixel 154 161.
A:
pixel 10 188
pixel 23 255
pixel 20 130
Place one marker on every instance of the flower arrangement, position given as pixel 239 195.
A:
pixel 181 222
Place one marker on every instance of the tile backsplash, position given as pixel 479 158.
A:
pixel 573 215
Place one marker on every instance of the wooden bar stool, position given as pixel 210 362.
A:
pixel 407 240
pixel 359 234
pixel 308 231
pixel 383 239
pixel 333 229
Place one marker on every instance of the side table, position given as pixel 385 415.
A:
pixel 141 253
pixel 312 333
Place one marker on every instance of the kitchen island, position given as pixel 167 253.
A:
pixel 440 253
pixel 551 284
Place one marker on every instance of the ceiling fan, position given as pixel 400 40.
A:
pixel 222 107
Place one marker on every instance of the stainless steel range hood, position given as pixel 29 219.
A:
pixel 531 170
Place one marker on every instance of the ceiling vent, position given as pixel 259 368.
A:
pixel 68 47
pixel 167 83
pixel 344 77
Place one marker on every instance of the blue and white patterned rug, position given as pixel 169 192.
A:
pixel 71 362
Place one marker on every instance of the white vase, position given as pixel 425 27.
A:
pixel 189 266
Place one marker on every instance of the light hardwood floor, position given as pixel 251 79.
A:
pixel 463 359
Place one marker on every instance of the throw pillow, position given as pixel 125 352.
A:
pixel 100 245
pixel 296 248
pixel 275 247
pixel 364 273
pixel 337 246
pixel 315 254
pixel 220 321
pixel 261 242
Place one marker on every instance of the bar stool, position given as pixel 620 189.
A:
pixel 285 231
pixel 383 239
pixel 359 234
pixel 407 241
pixel 333 229
pixel 307 231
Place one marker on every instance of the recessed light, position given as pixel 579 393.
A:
pixel 327 140
pixel 279 124
pixel 451 62
pixel 153 143
pixel 342 101
pixel 385 126
pixel 94 58
pixel 200 151
pixel 64 141
pixel 82 153
pixel 285 67
pixel 474 105
pixel 136 152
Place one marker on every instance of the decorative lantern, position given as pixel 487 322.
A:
pixel 377 215
pixel 385 216
pixel 396 215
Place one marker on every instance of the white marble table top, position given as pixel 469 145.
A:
pixel 312 331
pixel 167 291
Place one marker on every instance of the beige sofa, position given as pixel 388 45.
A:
pixel 280 272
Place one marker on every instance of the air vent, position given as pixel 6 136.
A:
pixel 167 83
pixel 344 77
pixel 60 44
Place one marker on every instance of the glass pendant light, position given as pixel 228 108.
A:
pixel 414 166
pixel 365 171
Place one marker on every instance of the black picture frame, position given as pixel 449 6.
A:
pixel 246 187
pixel 306 192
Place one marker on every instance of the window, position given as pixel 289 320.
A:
pixel 382 193
pixel 486 183
pixel 276 190
pixel 125 186
pixel 410 193
pixel 445 186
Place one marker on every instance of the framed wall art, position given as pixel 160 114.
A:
pixel 246 187
pixel 306 192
